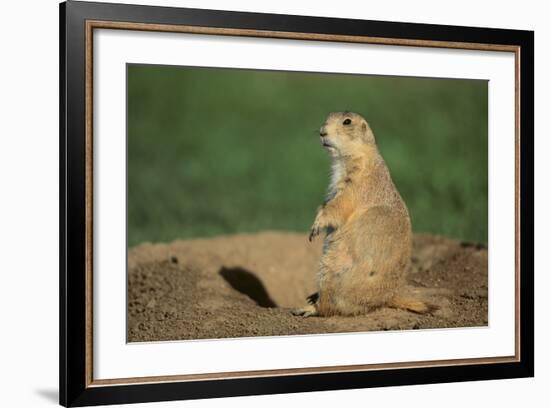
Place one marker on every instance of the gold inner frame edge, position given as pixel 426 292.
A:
pixel 92 24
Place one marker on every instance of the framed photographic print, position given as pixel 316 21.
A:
pixel 256 203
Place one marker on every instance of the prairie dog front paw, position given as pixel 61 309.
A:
pixel 317 226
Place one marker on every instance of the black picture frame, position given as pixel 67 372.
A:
pixel 75 389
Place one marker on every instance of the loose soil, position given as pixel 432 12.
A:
pixel 246 285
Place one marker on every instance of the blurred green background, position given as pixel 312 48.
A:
pixel 221 151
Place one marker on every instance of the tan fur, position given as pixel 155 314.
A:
pixel 368 231
pixel 411 304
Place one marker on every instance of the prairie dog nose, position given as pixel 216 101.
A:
pixel 323 132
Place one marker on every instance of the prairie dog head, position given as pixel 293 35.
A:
pixel 345 133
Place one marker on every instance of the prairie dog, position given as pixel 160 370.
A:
pixel 368 241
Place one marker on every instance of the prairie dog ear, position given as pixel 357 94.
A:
pixel 367 134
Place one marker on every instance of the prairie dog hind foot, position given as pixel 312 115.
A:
pixel 306 311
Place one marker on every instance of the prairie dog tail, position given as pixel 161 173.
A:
pixel 411 304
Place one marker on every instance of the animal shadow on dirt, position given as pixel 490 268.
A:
pixel 247 283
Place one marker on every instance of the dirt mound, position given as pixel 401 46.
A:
pixel 246 285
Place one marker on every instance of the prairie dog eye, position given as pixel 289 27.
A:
pixel 347 121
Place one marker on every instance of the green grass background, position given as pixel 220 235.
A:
pixel 220 151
